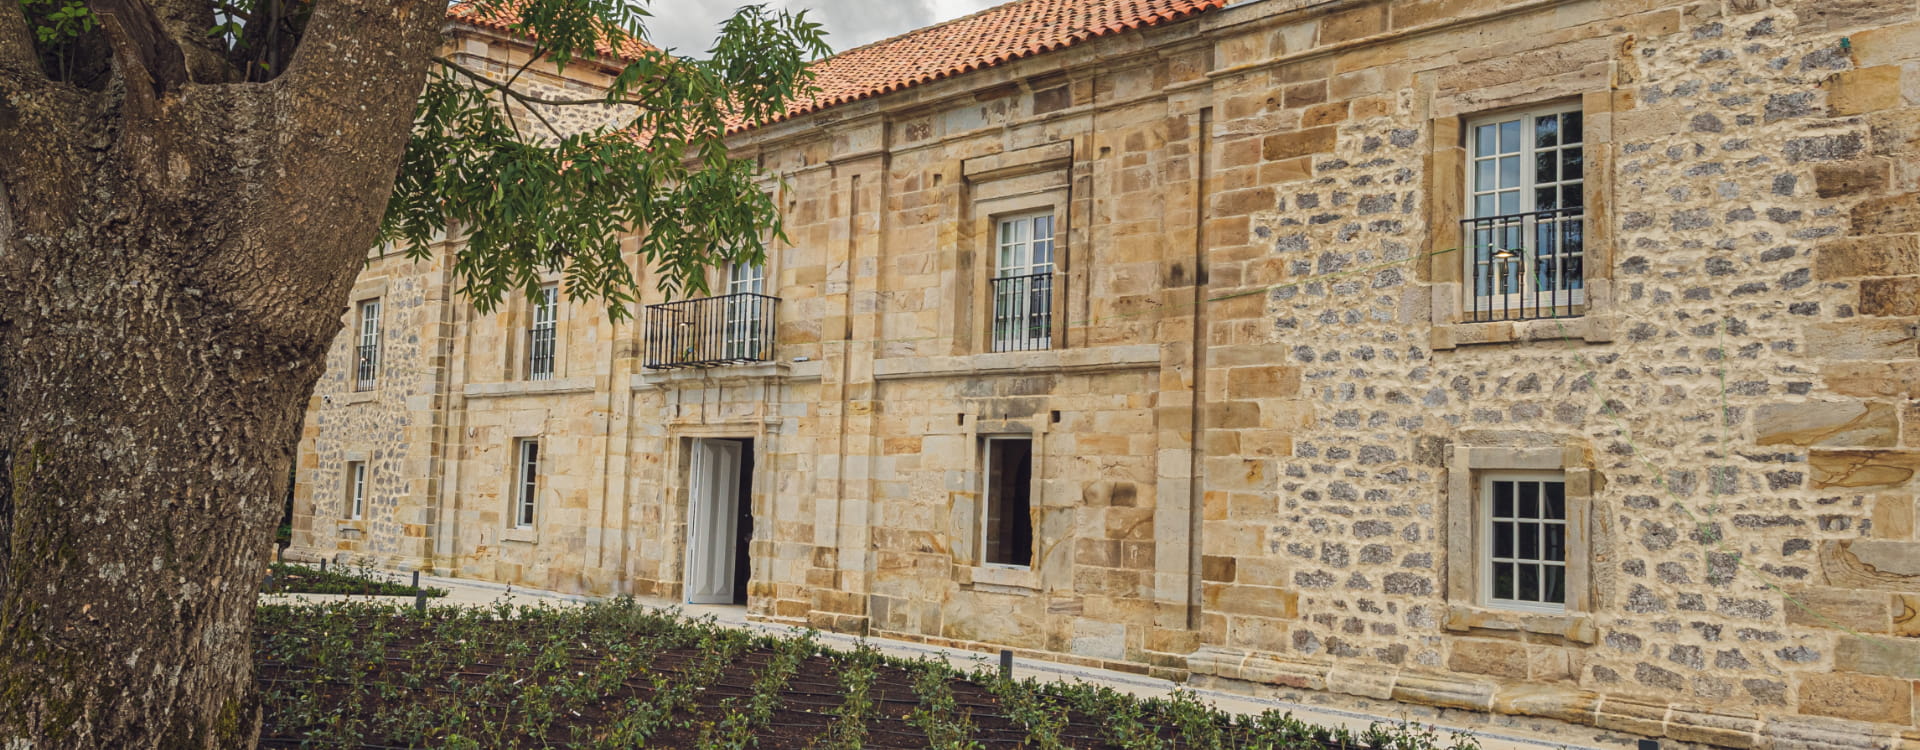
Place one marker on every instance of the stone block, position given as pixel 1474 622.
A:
pixel 1844 609
pixel 1298 143
pixel 1893 513
pixel 1363 21
pixel 1272 381
pixel 1862 468
pixel 1489 657
pixel 1841 15
pixel 1856 696
pixel 1217 568
pixel 1827 423
pixel 1906 615
pixel 1878 655
pixel 1867 256
pixel 1893 214
pixel 1850 178
pixel 1872 379
pixel 1870 338
pixel 1863 90
pixel 1887 44
pixel 1899 297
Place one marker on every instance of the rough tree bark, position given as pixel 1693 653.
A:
pixel 175 256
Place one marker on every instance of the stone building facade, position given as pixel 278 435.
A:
pixel 1553 358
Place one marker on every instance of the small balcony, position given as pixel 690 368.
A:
pixel 366 367
pixel 1023 312
pixel 1526 266
pixel 710 331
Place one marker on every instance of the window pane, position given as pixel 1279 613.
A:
pixel 1554 585
pixel 1503 539
pixel 1546 131
pixel 1543 165
pixel 1043 227
pixel 1543 200
pixel 1529 537
pixel 1510 137
pixel 1528 589
pixel 1503 580
pixel 1555 548
pixel 1502 499
pixel 1483 205
pixel 1570 128
pixel 1483 141
pixel 1510 202
pixel 1509 171
pixel 1529 499
pixel 1571 195
pixel 1572 163
pixel 1556 494
pixel 1483 174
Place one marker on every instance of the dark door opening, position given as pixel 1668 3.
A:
pixel 743 540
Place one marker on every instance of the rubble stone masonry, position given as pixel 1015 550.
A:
pixel 1264 419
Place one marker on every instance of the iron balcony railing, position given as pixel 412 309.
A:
pixel 1023 312
pixel 366 367
pixel 710 331
pixel 540 340
pixel 1526 266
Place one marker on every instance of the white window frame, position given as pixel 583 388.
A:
pixel 369 337
pixel 1485 551
pixel 526 484
pixel 1017 247
pixel 986 500
pixel 1497 300
pixel 742 337
pixel 356 490
pixel 544 315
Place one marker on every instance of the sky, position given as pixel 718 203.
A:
pixel 689 26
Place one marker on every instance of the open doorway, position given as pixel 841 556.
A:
pixel 719 521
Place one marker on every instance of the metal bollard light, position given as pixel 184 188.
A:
pixel 419 594
pixel 1006 664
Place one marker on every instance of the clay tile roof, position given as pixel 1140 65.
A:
pixel 504 19
pixel 1000 34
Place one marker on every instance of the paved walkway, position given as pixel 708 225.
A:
pixel 465 592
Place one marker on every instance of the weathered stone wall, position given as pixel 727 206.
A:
pixel 1261 424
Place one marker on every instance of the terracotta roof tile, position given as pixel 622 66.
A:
pixel 1000 34
pixel 1004 33
pixel 505 18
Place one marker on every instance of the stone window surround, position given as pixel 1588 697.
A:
pixel 1025 181
pixel 1003 579
pixel 1468 461
pixel 363 290
pixel 1446 205
pixel 346 526
pixel 510 484
pixel 516 319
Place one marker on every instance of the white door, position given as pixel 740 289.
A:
pixel 713 495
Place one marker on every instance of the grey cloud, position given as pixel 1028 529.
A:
pixel 689 26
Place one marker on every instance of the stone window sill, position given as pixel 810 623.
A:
pixel 1003 580
pixel 1090 359
pixel 1574 626
pixel 358 397
pixel 582 384
pixel 1592 329
pixel 351 528
pixel 529 536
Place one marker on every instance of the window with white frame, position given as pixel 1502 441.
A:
pixel 366 370
pixel 356 490
pixel 1523 556
pixel 526 483
pixel 745 337
pixel 1524 234
pixel 542 334
pixel 1006 518
pixel 1023 282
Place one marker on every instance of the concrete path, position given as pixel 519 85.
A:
pixel 1513 736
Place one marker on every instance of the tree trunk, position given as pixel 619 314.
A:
pixel 174 261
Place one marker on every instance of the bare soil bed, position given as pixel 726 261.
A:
pixel 620 675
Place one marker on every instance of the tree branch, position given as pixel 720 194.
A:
pixel 529 99
pixel 16 42
pixel 142 44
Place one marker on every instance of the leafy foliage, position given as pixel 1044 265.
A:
pixel 615 674
pixel 290 578
pixel 533 197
